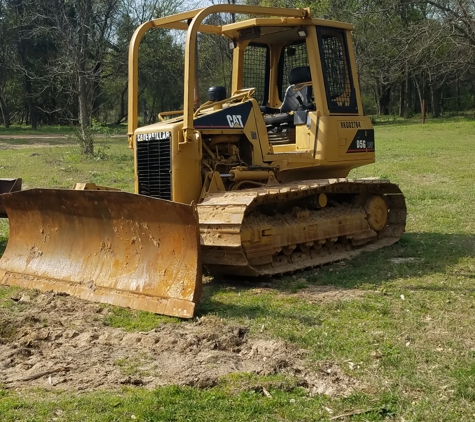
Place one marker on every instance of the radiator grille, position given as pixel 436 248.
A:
pixel 154 168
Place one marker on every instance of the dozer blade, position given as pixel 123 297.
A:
pixel 111 247
pixel 6 186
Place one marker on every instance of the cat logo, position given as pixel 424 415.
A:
pixel 234 120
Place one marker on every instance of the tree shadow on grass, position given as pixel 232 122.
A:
pixel 416 255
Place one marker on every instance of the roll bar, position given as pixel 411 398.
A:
pixel 191 22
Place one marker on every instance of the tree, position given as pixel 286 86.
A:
pixel 6 38
pixel 460 16
pixel 81 30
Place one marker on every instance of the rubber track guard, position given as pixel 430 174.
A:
pixel 111 247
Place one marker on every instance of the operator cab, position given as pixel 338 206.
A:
pixel 281 73
pixel 287 79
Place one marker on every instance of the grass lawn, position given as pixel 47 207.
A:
pixel 409 337
pixel 16 130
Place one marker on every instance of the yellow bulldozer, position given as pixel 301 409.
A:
pixel 251 183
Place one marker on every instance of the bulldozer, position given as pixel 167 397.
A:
pixel 253 182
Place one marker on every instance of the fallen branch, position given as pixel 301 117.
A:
pixel 355 412
pixel 266 393
pixel 41 374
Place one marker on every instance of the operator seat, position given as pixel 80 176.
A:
pixel 301 99
pixel 294 100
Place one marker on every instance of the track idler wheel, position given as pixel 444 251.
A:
pixel 377 212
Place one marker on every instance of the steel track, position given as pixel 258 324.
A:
pixel 244 232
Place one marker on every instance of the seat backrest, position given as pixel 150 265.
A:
pixel 291 101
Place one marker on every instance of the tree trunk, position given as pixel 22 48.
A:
pixel 384 100
pixel 5 112
pixel 402 99
pixel 458 94
pixel 123 111
pixel 31 106
pixel 151 115
pixel 435 100
pixel 82 98
pixel 87 143
pixel 97 90
pixel 420 93
pixel 407 95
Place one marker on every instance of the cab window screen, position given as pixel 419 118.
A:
pixel 294 55
pixel 339 85
pixel 254 73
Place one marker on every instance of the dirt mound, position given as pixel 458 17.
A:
pixel 60 342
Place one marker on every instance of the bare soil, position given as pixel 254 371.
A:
pixel 56 341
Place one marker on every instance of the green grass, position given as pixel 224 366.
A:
pixel 165 404
pixel 60 165
pixel 409 337
pixel 135 320
pixel 97 128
